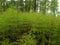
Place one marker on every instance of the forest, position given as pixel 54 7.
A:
pixel 29 22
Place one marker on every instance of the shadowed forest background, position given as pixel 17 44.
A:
pixel 29 22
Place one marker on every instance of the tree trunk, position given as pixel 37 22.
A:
pixel 35 5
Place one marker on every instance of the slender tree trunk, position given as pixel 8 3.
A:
pixel 35 5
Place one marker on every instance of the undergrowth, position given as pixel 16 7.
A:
pixel 29 28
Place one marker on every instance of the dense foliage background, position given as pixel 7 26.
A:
pixel 20 24
pixel 29 28
pixel 44 6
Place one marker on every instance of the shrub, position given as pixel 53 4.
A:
pixel 30 28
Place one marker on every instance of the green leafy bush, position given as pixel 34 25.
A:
pixel 29 28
